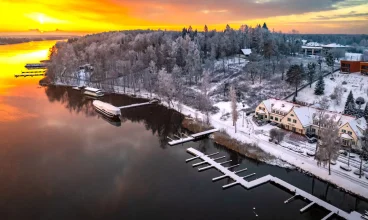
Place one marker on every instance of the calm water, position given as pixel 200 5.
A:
pixel 59 159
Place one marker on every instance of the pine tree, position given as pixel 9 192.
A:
pixel 350 104
pixel 366 112
pixel 320 87
pixel 265 26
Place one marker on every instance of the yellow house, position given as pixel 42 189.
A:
pixel 352 131
pixel 305 120
pixel 273 110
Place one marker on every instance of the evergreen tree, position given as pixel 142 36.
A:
pixel 205 29
pixel 350 104
pixel 366 112
pixel 265 26
pixel 184 32
pixel 295 76
pixel 320 87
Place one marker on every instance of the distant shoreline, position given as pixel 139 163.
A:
pixel 15 40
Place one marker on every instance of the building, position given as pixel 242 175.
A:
pixel 305 120
pixel 349 66
pixel 364 68
pixel 273 110
pixel 246 52
pixel 312 48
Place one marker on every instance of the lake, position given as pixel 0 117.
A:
pixel 59 159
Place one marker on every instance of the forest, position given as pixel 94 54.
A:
pixel 194 67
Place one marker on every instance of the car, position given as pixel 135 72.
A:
pixel 273 123
pixel 357 171
pixel 311 153
pixel 270 140
pixel 343 152
pixel 345 167
pixel 312 140
pixel 333 162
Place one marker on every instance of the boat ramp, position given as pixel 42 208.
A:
pixel 212 163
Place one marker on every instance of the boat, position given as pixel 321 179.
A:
pixel 93 92
pixel 78 88
pixel 113 121
pixel 107 109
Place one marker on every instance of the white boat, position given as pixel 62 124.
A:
pixel 93 92
pixel 107 109
pixel 78 88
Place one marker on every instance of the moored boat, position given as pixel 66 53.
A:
pixel 93 92
pixel 107 109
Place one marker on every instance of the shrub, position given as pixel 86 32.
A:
pixel 344 83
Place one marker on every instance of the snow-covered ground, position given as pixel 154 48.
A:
pixel 355 82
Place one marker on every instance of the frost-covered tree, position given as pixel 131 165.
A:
pixel 234 111
pixel 295 76
pixel 320 61
pixel 338 93
pixel 166 87
pixel 311 73
pixel 320 86
pixel 329 142
pixel 283 65
pixel 330 62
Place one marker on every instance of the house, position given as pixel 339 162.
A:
pixel 246 52
pixel 273 110
pixel 305 120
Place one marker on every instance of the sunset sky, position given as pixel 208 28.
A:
pixel 306 16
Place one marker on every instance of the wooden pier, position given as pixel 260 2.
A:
pixel 248 185
pixel 192 137
pixel 30 74
pixel 135 105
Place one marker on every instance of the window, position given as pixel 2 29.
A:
pixel 271 117
pixel 277 119
pixel 353 142
pixel 265 116
pixel 289 119
pixel 292 115
pixel 343 131
pixel 350 133
pixel 294 121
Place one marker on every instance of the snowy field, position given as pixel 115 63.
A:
pixel 355 82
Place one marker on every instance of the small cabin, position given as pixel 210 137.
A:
pixel 349 66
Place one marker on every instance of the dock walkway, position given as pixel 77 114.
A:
pixel 248 185
pixel 29 74
pixel 192 137
pixel 135 105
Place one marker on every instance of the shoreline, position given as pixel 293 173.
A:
pixel 277 154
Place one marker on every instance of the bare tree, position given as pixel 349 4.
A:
pixel 329 143
pixel 283 66
pixel 337 94
pixel 166 86
pixel 318 117
pixel 234 112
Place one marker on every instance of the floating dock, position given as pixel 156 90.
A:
pixel 248 185
pixel 192 137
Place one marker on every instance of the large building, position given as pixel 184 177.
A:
pixel 314 48
pixel 305 120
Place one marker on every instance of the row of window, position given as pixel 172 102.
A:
pixel 349 132
pixel 278 112
pixel 289 120
pixel 276 118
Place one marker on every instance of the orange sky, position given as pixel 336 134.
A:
pixel 307 16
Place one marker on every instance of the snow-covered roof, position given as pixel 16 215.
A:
pixel 313 44
pixel 353 56
pixel 346 136
pixel 358 126
pixel 278 105
pixel 246 51
pixel 311 47
pixel 334 45
pixel 261 112
pixel 305 115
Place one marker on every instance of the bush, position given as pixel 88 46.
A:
pixel 277 135
pixel 333 96
pixel 344 83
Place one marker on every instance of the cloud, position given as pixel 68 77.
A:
pixel 352 14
